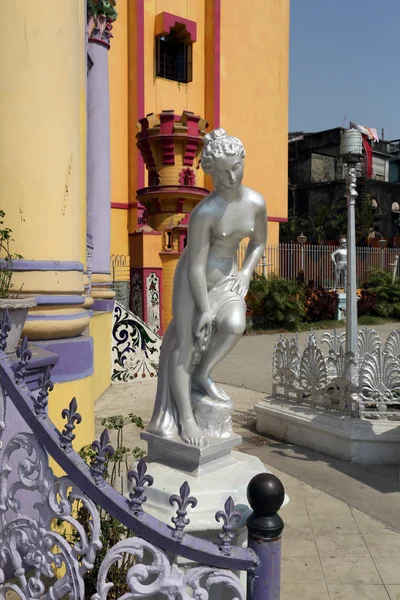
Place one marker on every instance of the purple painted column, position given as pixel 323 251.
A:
pixel 265 494
pixel 100 18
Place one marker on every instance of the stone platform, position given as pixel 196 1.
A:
pixel 356 440
pixel 194 460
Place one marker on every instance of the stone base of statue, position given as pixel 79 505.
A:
pixel 213 472
pixel 196 461
pixel 341 309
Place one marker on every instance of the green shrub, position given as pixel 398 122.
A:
pixel 276 303
pixel 112 531
pixel 387 294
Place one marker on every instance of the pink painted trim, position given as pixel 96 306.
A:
pixel 217 63
pixel 145 232
pixel 169 21
pixel 187 172
pixel 140 82
pixel 168 189
pixel 121 205
pixel 182 238
pixel 278 219
pixel 185 220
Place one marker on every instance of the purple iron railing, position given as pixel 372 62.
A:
pixel 31 547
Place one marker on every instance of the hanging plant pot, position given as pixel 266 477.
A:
pixel 17 313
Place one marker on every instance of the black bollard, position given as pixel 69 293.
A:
pixel 265 494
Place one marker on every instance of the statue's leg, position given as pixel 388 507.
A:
pixel 231 323
pixel 180 365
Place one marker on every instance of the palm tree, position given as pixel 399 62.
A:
pixel 289 231
pixel 321 221
pixel 368 219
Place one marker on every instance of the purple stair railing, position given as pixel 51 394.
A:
pixel 31 547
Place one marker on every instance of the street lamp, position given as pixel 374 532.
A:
pixel 382 244
pixel 351 149
pixel 302 240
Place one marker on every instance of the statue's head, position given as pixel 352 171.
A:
pixel 222 158
pixel 343 243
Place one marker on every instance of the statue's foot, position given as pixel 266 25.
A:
pixel 209 387
pixel 192 434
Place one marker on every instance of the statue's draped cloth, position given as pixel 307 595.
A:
pixel 165 415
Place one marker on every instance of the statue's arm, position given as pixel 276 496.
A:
pixel 333 256
pixel 258 240
pixel 198 250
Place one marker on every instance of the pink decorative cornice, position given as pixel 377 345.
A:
pixel 162 130
pixel 183 28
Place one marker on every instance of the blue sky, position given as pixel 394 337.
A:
pixel 345 62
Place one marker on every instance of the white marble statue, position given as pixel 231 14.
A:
pixel 339 259
pixel 209 310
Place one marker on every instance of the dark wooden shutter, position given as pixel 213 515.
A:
pixel 189 63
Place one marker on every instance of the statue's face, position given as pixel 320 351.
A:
pixel 228 172
pixel 343 244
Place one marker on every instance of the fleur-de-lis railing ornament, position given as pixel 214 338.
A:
pixel 72 416
pixel 4 330
pixel 183 501
pixel 41 401
pixel 104 450
pixel 229 516
pixel 137 497
pixel 24 355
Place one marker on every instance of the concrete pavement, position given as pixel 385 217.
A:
pixel 333 549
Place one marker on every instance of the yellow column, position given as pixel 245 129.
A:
pixel 41 158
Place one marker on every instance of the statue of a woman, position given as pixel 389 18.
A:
pixel 209 310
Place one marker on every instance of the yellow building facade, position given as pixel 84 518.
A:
pixel 174 61
pixel 43 192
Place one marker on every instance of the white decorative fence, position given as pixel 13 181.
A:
pixel 288 259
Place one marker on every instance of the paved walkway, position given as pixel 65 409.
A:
pixel 250 362
pixel 342 525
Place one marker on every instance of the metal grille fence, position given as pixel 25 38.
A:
pixel 283 259
pixel 316 262
pixel 120 271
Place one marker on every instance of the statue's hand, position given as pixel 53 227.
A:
pixel 203 325
pixel 241 284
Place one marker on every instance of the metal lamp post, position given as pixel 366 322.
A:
pixel 302 240
pixel 351 149
pixel 382 244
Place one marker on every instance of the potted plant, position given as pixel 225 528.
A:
pixel 10 301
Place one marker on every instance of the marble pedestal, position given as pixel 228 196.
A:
pixel 355 440
pixel 341 309
pixel 213 472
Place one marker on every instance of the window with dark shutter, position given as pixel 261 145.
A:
pixel 173 59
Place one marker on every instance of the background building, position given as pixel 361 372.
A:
pixel 317 177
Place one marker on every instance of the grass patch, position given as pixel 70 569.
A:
pixel 365 320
